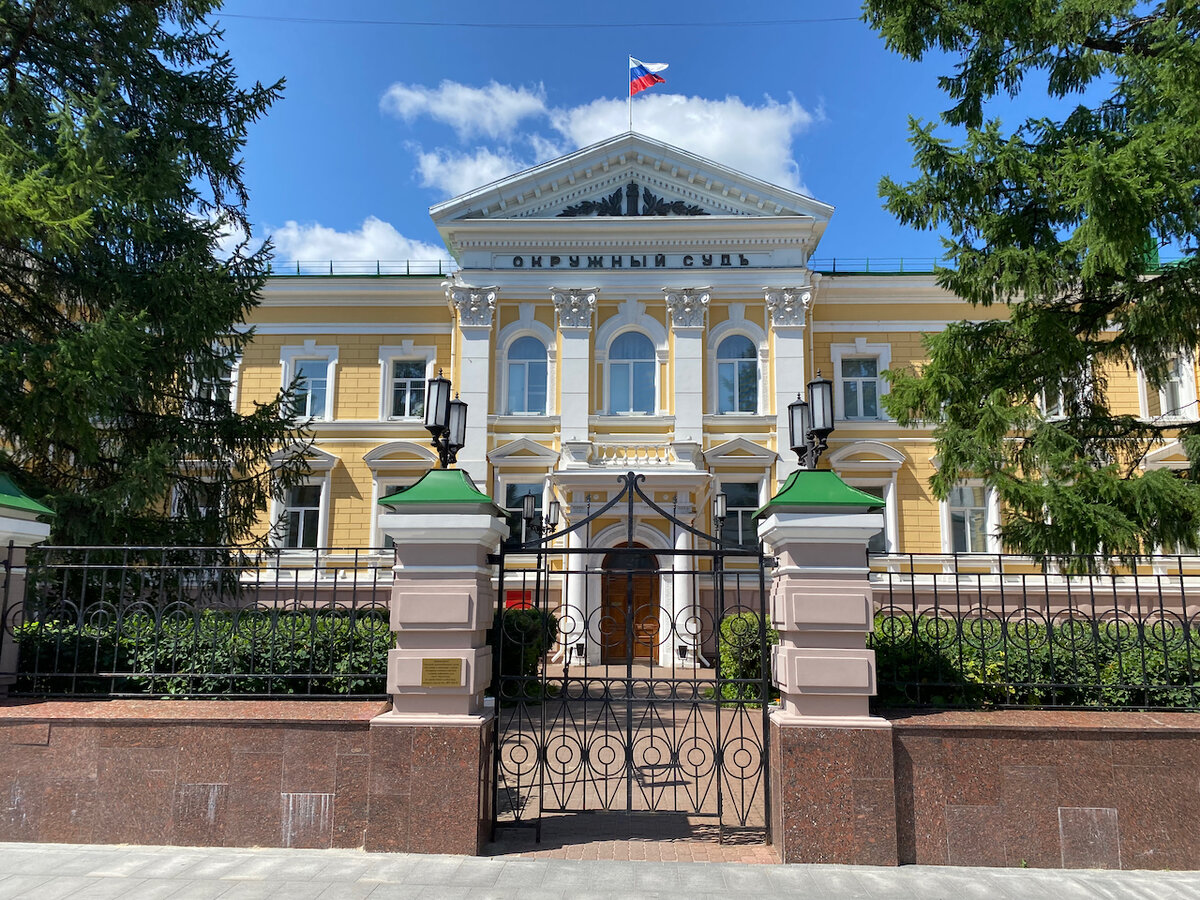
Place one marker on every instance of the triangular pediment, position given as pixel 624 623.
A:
pixel 739 451
pixel 630 175
pixel 1168 456
pixel 523 451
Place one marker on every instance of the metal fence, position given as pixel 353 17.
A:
pixel 981 630
pixel 198 622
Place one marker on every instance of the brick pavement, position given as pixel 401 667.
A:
pixel 655 837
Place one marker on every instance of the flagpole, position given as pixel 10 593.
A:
pixel 629 99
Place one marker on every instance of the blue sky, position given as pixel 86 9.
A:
pixel 380 121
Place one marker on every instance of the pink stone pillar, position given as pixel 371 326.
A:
pixel 430 786
pixel 832 784
pixel 19 530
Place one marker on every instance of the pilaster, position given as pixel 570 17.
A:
pixel 475 308
pixel 687 307
pixel 575 309
pixel 788 309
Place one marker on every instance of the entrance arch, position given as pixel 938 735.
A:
pixel 629 598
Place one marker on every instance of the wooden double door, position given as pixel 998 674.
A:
pixel 630 598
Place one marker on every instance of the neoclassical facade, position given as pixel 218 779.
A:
pixel 630 306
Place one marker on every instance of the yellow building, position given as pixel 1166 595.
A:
pixel 630 306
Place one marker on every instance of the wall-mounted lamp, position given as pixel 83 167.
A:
pixel 810 423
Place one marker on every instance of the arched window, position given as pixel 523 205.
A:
pixel 631 365
pixel 737 375
pixel 526 377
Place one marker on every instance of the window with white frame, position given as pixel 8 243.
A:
pixel 1176 399
pixel 860 387
pixel 741 502
pixel 879 541
pixel 631 370
pixel 526 381
pixel 514 499
pixel 311 368
pixel 302 516
pixel 858 383
pixel 312 389
pixel 737 375
pixel 969 514
pixel 407 385
pixel 405 370
pixel 386 489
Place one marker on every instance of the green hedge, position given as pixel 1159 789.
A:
pixel 519 638
pixel 739 647
pixel 982 663
pixel 208 653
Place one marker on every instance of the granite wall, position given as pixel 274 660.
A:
pixel 238 773
pixel 1050 789
pixel 1011 788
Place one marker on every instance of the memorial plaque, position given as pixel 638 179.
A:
pixel 441 672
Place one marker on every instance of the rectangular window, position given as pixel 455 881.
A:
pixel 968 519
pixel 878 543
pixel 514 497
pixel 311 388
pixel 737 386
pixel 386 491
pixel 741 500
pixel 302 515
pixel 1171 399
pixel 860 387
pixel 408 389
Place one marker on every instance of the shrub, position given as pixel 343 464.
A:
pixel 209 652
pixel 519 638
pixel 740 648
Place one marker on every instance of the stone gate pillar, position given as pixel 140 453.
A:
pixel 832 786
pixel 431 755
pixel 19 530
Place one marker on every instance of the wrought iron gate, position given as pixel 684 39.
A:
pixel 632 678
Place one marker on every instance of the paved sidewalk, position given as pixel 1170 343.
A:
pixel 45 871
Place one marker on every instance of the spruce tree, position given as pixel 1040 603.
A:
pixel 121 130
pixel 1060 218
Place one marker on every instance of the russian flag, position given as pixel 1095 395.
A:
pixel 643 75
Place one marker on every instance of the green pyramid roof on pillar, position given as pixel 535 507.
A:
pixel 442 490
pixel 818 490
pixel 12 498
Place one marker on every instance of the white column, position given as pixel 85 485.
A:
pixel 476 309
pixel 788 308
pixel 575 325
pixel 683 610
pixel 687 309
pixel 575 603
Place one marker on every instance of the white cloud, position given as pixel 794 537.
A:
pixel 493 111
pixel 457 173
pixel 756 140
pixel 375 240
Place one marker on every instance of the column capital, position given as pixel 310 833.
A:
pixel 687 306
pixel 476 306
pixel 574 306
pixel 788 305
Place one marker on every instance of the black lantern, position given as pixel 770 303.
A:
pixel 445 419
pixel 552 514
pixel 811 422
pixel 720 509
